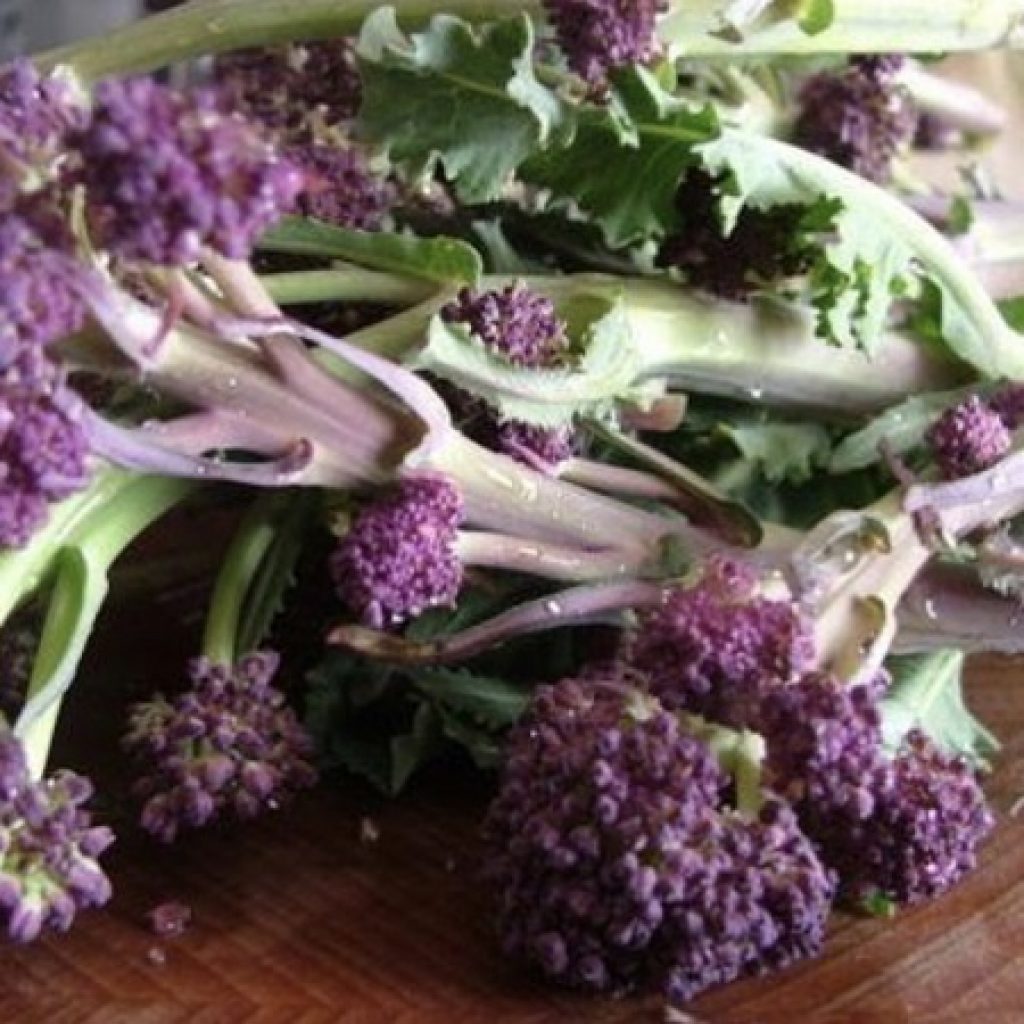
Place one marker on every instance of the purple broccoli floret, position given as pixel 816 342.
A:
pixel 902 829
pixel 288 88
pixel 39 302
pixel 44 448
pixel 598 36
pixel 712 648
pixel 616 864
pixel 168 173
pixel 36 113
pixel 341 188
pixel 1008 402
pixel 400 558
pixel 968 438
pixel 516 324
pixel 228 745
pixel 761 250
pixel 860 117
pixel 49 848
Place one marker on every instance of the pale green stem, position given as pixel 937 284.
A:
pixel 351 284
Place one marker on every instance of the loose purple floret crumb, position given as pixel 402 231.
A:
pixel 341 188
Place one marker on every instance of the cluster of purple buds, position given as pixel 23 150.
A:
pixel 44 447
pixel 860 118
pixel 341 188
pixel 40 302
pixel 973 435
pixel 599 36
pixel 711 649
pixel 36 114
pixel 521 327
pixel 49 848
pixel 616 863
pixel 759 251
pixel 903 828
pixel 283 88
pixel 399 558
pixel 168 173
pixel 229 745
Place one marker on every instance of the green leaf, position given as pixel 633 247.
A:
pixel 445 260
pixel 902 427
pixel 782 451
pixel 960 218
pixel 1013 312
pixel 468 100
pixel 604 374
pixel 415 748
pixel 815 16
pixel 927 693
pixel 485 700
pixel 625 160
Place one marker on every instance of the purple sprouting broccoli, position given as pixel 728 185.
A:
pixel 517 324
pixel 521 327
pixel 616 864
pixel 900 829
pixel 1008 402
pixel 712 648
pixel 861 117
pixel 229 745
pixel 49 848
pixel 400 557
pixel 285 88
pixel 39 302
pixel 168 173
pixel 968 438
pixel 44 447
pixel 341 188
pixel 598 36
pixel 761 250
pixel 36 114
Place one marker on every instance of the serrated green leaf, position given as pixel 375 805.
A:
pixel 626 158
pixel 466 99
pixel 902 428
pixel 413 749
pixel 445 260
pixel 494 702
pixel 782 451
pixel 482 745
pixel 604 374
pixel 927 694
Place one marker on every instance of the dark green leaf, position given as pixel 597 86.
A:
pixel 782 451
pixel 468 100
pixel 445 260
pixel 494 702
pixel 1013 312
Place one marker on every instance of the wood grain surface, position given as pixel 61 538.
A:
pixel 307 918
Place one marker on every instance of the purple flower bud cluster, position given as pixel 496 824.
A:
pixel 49 848
pixel 516 324
pixel 598 36
pixel 284 88
pixel 228 745
pixel 905 828
pixel 36 113
pixel 341 188
pixel 400 558
pixel 969 437
pixel 860 118
pixel 39 302
pixel 1008 401
pixel 44 448
pixel 616 864
pixel 758 252
pixel 523 328
pixel 712 648
pixel 168 173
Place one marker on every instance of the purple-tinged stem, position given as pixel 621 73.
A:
pixel 958 105
pixel 947 606
pixel 552 561
pixel 576 606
